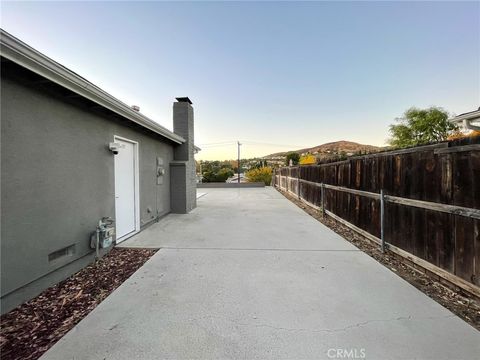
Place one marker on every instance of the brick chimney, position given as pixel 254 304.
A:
pixel 182 175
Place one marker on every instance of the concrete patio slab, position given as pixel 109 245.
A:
pixel 245 218
pixel 262 293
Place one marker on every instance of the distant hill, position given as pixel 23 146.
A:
pixel 337 147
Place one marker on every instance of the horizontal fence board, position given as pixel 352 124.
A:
pixel 353 227
pixel 457 149
pixel 451 209
pixel 353 191
pixel 475 290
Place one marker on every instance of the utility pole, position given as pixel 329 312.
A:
pixel 238 165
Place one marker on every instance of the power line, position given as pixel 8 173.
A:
pixel 227 143
pixel 271 144
pixel 217 143
pixel 213 146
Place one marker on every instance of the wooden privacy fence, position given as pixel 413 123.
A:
pixel 421 203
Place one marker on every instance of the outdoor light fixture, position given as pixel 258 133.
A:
pixel 114 147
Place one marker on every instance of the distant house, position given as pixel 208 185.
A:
pixel 469 120
pixel 71 155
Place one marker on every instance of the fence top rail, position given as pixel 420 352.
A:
pixel 428 205
pixel 472 147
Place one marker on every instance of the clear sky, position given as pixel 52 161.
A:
pixel 297 74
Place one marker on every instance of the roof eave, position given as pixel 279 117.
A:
pixel 473 115
pixel 15 50
pixel 467 119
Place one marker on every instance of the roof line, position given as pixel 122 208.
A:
pixel 468 119
pixel 33 60
pixel 475 114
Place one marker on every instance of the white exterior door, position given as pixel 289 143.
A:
pixel 126 189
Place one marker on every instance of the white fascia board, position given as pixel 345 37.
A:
pixel 468 119
pixel 29 58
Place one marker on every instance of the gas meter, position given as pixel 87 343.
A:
pixel 103 235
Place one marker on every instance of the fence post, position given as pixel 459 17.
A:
pixel 382 220
pixel 323 199
pixel 298 182
pixel 287 178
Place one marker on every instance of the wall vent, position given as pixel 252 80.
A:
pixel 63 252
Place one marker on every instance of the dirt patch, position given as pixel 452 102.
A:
pixel 32 328
pixel 461 304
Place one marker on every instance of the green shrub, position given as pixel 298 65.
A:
pixel 263 174
pixel 217 176
pixel 295 157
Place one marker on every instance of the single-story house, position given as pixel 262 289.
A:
pixel 72 155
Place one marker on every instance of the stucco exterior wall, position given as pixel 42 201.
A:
pixel 57 181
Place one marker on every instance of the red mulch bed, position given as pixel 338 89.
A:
pixel 32 328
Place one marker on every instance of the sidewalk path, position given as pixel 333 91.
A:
pixel 248 275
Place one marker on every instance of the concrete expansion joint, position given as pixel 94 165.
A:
pixel 257 249
pixel 349 327
pixel 343 329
